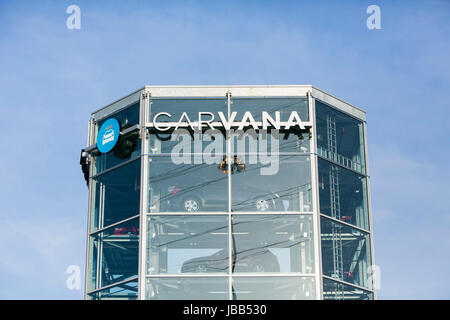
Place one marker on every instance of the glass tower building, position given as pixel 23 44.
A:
pixel 228 192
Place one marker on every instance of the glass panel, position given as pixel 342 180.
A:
pixel 284 184
pixel 213 288
pixel 187 244
pixel 333 290
pixel 123 291
pixel 270 105
pixel 168 141
pixel 345 253
pixel 273 288
pixel 128 146
pixel 119 252
pixel 192 107
pixel 127 117
pixel 269 141
pixel 187 141
pixel 340 137
pixel 290 140
pixel 343 194
pixel 272 243
pixel 115 195
pixel 188 187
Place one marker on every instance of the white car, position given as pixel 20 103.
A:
pixel 108 136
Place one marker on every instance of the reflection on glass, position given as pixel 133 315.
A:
pixel 333 290
pixel 213 288
pixel 128 146
pixel 123 291
pixel 118 251
pixel 343 194
pixel 186 187
pixel 272 243
pixel 207 141
pixel 115 195
pixel 127 117
pixel 284 184
pixel 270 141
pixel 340 137
pixel 187 244
pixel 273 288
pixel 211 141
pixel 345 253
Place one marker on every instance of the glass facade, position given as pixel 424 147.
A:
pixel 128 146
pixel 343 203
pixel 257 210
pixel 113 231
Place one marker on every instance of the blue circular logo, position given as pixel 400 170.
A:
pixel 108 134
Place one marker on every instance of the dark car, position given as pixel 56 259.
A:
pixel 206 195
pixel 252 260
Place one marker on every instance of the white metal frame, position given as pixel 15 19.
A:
pixel 86 269
pixel 145 94
pixel 358 114
pixel 369 208
pixel 144 111
pixel 98 115
pixel 315 199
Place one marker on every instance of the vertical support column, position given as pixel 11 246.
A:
pixel 315 198
pixel 369 213
pixel 101 205
pixel 90 139
pixel 230 229
pixel 143 116
pixel 99 265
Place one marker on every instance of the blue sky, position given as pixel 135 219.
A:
pixel 51 78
